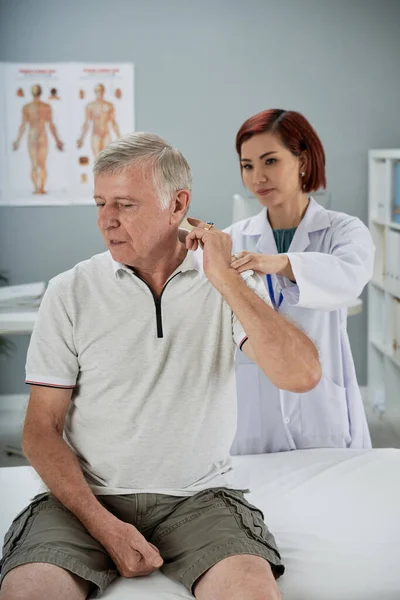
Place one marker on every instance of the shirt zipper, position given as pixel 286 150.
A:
pixel 157 303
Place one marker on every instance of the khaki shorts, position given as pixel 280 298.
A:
pixel 191 533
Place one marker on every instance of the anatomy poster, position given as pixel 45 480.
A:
pixel 101 111
pixel 56 119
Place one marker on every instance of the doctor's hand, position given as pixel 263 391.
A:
pixel 264 264
pixel 132 554
pixel 217 247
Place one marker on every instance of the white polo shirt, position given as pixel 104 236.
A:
pixel 154 401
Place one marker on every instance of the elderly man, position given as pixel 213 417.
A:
pixel 133 408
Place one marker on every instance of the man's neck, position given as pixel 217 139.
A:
pixel 289 214
pixel 157 271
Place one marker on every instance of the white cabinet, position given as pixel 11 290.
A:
pixel 384 289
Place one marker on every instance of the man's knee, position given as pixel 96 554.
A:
pixel 239 577
pixel 35 581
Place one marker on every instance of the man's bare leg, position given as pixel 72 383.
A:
pixel 34 168
pixel 96 145
pixel 99 142
pixel 43 177
pixel 35 581
pixel 104 141
pixel 241 577
pixel 35 180
pixel 43 170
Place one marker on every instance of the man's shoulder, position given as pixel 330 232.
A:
pixel 83 271
pixel 198 257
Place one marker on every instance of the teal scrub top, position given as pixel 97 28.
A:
pixel 283 238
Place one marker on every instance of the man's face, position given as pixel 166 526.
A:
pixel 99 91
pixel 36 91
pixel 130 218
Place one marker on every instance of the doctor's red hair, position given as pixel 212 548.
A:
pixel 296 134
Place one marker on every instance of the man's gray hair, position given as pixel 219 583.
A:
pixel 169 167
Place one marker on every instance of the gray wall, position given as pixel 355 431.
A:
pixel 202 68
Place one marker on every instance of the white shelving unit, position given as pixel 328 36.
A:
pixel 384 288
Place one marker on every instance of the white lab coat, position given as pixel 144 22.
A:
pixel 332 257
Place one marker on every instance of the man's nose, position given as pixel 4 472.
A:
pixel 109 218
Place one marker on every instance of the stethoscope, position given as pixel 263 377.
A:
pixel 272 295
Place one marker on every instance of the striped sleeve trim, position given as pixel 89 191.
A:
pixel 243 341
pixel 50 380
pixel 52 385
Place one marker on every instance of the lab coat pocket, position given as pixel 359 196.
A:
pixel 242 359
pixel 249 415
pixel 324 415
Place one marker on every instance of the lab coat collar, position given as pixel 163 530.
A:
pixel 316 218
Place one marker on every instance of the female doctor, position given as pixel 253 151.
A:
pixel 314 261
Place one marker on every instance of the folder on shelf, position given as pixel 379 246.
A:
pixel 396 266
pixel 396 330
pixel 21 297
pixel 392 263
pixel 396 203
pixel 379 239
pixel 380 189
pixel 390 253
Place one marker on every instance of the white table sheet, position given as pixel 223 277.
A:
pixel 335 515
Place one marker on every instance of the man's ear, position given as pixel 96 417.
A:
pixel 179 206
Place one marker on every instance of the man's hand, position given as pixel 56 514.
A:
pixel 217 250
pixel 132 554
pixel 60 145
pixel 264 264
pixel 15 146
